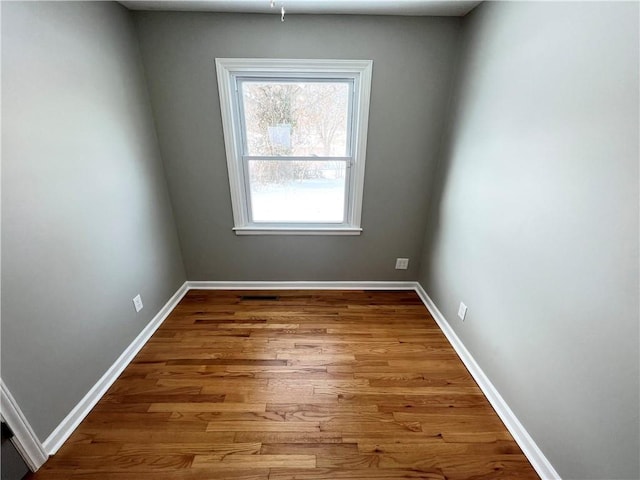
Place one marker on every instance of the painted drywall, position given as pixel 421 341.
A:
pixel 86 216
pixel 535 223
pixel 413 59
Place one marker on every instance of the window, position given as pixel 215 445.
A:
pixel 295 133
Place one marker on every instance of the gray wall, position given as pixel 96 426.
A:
pixel 535 224
pixel 86 218
pixel 413 60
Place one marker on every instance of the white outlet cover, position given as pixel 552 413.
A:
pixel 462 311
pixel 137 303
pixel 402 263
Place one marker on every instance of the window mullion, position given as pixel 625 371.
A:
pixel 348 190
pixel 297 159
pixel 247 189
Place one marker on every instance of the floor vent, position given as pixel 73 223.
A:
pixel 259 297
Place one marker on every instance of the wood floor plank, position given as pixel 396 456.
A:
pixel 344 474
pixel 256 461
pixel 183 448
pixel 159 437
pixel 263 426
pixel 309 385
pixel 309 449
pixel 207 407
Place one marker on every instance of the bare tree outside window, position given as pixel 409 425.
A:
pixel 297 119
pixel 315 115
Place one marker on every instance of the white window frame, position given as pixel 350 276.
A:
pixel 231 69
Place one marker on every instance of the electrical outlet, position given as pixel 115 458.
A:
pixel 137 303
pixel 402 263
pixel 462 311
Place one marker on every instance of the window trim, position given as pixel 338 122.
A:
pixel 361 70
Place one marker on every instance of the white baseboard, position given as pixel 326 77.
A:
pixel 64 430
pixel 195 285
pixel 25 439
pixel 82 409
pixel 51 445
pixel 539 462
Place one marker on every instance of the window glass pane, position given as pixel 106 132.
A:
pixel 296 118
pixel 287 191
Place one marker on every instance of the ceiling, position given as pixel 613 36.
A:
pixel 449 8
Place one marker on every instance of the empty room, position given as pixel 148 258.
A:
pixel 278 240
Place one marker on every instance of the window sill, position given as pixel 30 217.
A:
pixel 297 231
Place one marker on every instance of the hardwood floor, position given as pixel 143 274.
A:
pixel 304 385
